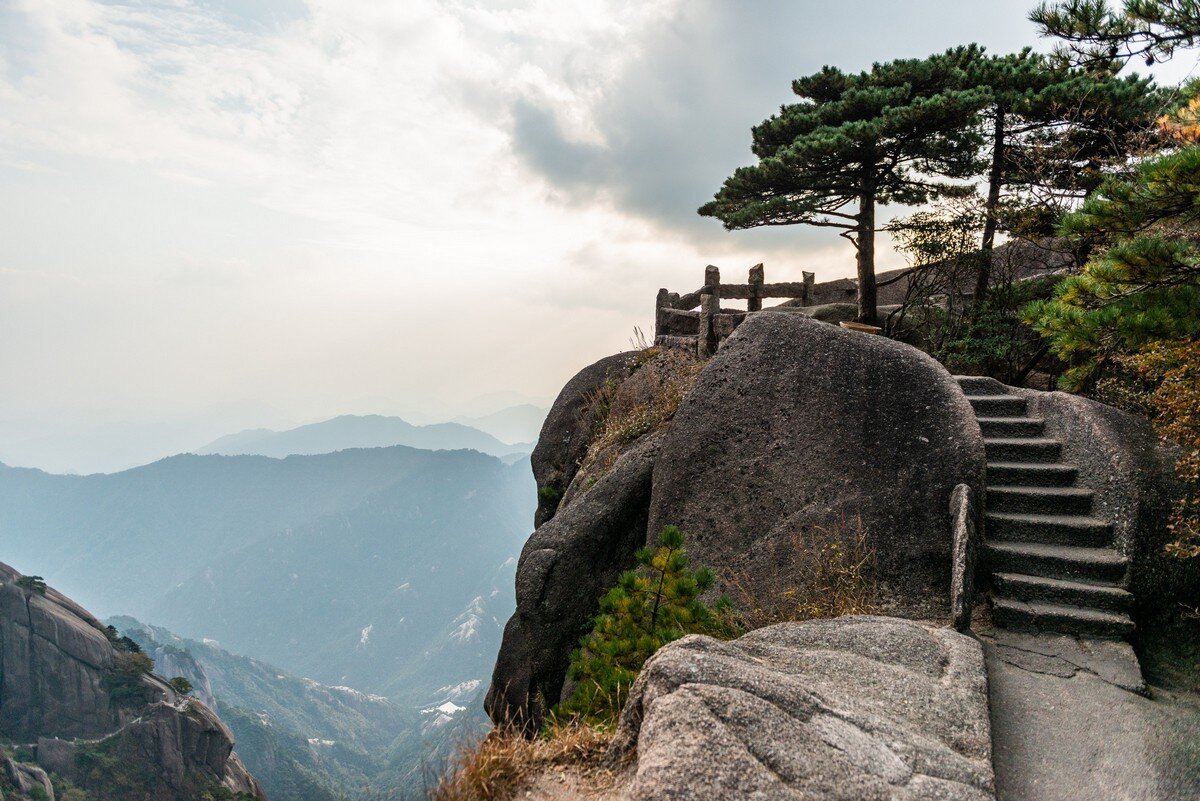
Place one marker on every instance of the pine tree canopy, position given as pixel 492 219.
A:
pixel 1095 33
pixel 891 133
pixel 1145 286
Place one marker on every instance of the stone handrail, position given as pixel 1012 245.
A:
pixel 674 313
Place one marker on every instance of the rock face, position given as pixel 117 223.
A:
pixel 847 709
pixel 797 429
pixel 57 667
pixel 564 568
pixel 568 430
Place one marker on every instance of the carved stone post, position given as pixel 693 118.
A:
pixel 809 280
pixel 756 288
pixel 661 303
pixel 710 306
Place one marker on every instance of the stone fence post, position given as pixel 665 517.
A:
pixel 710 306
pixel 754 303
pixel 661 303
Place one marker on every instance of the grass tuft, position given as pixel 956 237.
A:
pixel 502 764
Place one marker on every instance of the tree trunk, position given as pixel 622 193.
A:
pixel 867 312
pixel 983 273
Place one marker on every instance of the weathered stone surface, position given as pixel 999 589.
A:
pixel 1065 725
pixel 826 312
pixel 962 577
pixel 51 667
pixel 54 659
pixel 851 709
pixel 798 427
pixel 27 779
pixel 568 430
pixel 565 566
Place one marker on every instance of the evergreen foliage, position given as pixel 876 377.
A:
pixel 1095 33
pixel 34 584
pixel 652 605
pixel 181 685
pixel 1051 132
pixel 894 134
pixel 1145 287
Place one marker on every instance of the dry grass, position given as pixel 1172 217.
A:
pixel 505 762
pixel 619 422
pixel 818 573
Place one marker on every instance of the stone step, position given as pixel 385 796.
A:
pixel 1011 426
pixel 1035 499
pixel 1035 474
pixel 1060 591
pixel 980 385
pixel 997 405
pixel 1022 449
pixel 1087 532
pixel 1054 561
pixel 1038 617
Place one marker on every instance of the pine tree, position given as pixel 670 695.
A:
pixel 654 604
pixel 1050 133
pixel 1145 287
pixel 855 141
pixel 1093 33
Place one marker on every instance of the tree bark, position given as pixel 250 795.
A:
pixel 983 274
pixel 867 294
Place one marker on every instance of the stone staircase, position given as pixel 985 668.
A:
pixel 1049 557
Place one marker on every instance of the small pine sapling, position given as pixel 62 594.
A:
pixel 654 604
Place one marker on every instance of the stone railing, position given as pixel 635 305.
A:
pixel 696 321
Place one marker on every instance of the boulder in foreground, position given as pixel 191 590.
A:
pixel 849 709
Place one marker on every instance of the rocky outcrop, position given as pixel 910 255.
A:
pixel 187 747
pixel 21 780
pixel 67 686
pixel 564 568
pixel 569 428
pixel 846 709
pixel 798 430
pixel 795 429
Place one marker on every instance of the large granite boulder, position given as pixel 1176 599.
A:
pixel 565 567
pixel 569 428
pixel 797 436
pixel 57 666
pixel 850 709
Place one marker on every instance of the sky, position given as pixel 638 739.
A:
pixel 223 214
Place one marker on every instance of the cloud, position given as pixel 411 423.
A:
pixel 675 120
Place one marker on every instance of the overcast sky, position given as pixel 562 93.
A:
pixel 220 214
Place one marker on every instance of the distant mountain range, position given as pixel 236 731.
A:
pixel 520 423
pixel 373 431
pixel 386 569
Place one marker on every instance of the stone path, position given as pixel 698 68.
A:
pixel 1070 722
pixel 1051 564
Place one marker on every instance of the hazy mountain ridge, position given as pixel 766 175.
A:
pixel 519 424
pixel 305 741
pixel 362 431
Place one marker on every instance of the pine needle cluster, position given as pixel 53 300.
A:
pixel 654 604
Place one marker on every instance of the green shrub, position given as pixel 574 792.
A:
pixel 654 604
pixel 32 584
pixel 124 679
pixel 181 685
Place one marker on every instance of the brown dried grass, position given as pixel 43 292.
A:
pixel 819 573
pixel 505 762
